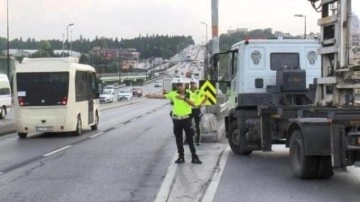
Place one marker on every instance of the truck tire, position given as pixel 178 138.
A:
pixel 234 140
pixel 325 170
pixel 304 167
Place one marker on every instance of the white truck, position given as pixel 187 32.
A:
pixel 5 96
pixel 274 100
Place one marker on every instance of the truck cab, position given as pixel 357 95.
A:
pixel 255 66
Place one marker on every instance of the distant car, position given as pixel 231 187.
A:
pixel 109 89
pixel 137 91
pixel 157 84
pixel 125 94
pixel 106 97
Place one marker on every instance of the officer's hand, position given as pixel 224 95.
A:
pixel 180 97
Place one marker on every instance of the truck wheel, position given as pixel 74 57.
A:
pixel 325 170
pixel 2 112
pixel 234 140
pixel 304 167
pixel 22 135
pixel 95 126
pixel 78 130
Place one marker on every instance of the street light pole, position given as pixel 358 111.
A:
pixel 206 27
pixel 67 37
pixel 206 50
pixel 71 42
pixel 8 42
pixel 302 16
pixel 63 44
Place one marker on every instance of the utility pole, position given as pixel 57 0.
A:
pixel 215 32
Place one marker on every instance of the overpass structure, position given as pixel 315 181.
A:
pixel 132 77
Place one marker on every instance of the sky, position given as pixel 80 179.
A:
pixel 48 19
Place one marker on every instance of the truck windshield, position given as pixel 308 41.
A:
pixel 42 88
pixel 280 61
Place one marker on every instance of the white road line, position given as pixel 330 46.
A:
pixel 58 150
pixel 1 173
pixel 210 192
pixel 167 183
pixel 96 135
pixel 118 126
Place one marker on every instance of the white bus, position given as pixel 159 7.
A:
pixel 55 95
pixel 5 96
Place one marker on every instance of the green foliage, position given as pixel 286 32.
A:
pixel 149 46
pixel 226 41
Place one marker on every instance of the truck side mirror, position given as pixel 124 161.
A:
pixel 214 60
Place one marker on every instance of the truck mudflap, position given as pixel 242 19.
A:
pixel 316 135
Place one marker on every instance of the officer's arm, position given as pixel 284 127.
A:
pixel 204 100
pixel 156 96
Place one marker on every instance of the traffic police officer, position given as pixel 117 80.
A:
pixel 200 99
pixel 181 116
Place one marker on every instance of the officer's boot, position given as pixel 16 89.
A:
pixel 181 159
pixel 195 160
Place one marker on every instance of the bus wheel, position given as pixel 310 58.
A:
pixel 2 112
pixel 95 126
pixel 78 130
pixel 22 135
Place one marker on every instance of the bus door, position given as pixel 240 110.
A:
pixel 91 110
pixel 93 91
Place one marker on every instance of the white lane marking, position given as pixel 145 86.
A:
pixel 1 173
pixel 96 135
pixel 118 126
pixel 210 192
pixel 58 150
pixel 166 186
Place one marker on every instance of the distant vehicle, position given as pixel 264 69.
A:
pixel 137 91
pixel 55 95
pixel 157 84
pixel 109 89
pixel 5 96
pixel 106 97
pixel 196 75
pixel 125 94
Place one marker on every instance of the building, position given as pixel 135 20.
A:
pixel 129 58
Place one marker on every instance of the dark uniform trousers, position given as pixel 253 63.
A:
pixel 186 125
pixel 196 112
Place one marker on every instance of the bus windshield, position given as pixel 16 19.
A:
pixel 43 88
